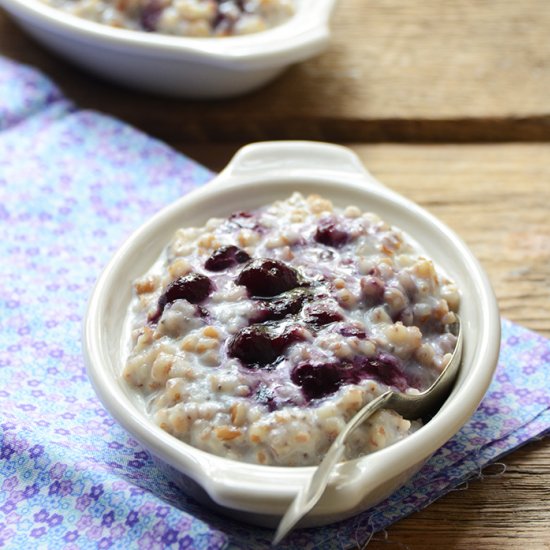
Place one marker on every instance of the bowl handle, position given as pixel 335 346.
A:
pixel 295 158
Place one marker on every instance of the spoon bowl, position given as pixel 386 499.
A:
pixel 411 406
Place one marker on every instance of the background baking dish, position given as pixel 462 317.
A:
pixel 173 65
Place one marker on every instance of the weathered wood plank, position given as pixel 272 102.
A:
pixel 396 70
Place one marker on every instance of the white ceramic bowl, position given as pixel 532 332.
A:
pixel 258 175
pixel 178 66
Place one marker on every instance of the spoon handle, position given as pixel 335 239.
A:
pixel 310 493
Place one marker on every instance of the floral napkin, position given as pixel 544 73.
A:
pixel 73 185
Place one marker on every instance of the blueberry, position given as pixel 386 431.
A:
pixel 321 314
pixel 265 277
pixel 288 303
pixel 317 380
pixel 321 379
pixel 226 257
pixel 194 288
pixel 260 346
pixel 254 346
pixel 331 233
pixel 384 367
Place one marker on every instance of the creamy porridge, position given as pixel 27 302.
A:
pixel 258 336
pixel 199 18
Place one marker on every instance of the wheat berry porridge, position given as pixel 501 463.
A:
pixel 196 18
pixel 258 336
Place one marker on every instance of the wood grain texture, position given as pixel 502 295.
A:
pixel 396 70
pixel 497 198
pixel 415 71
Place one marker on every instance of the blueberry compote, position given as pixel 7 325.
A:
pixel 286 304
pixel 288 319
pixel 261 346
pixel 319 314
pixel 225 257
pixel 332 232
pixel 321 379
pixel 266 277
pixel 195 288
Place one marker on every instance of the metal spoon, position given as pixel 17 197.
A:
pixel 421 405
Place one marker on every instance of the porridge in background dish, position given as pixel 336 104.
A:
pixel 198 18
pixel 257 337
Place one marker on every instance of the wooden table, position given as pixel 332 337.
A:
pixel 448 103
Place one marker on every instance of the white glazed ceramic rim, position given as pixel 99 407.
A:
pixel 303 35
pixel 276 168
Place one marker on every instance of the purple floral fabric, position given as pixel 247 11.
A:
pixel 73 185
